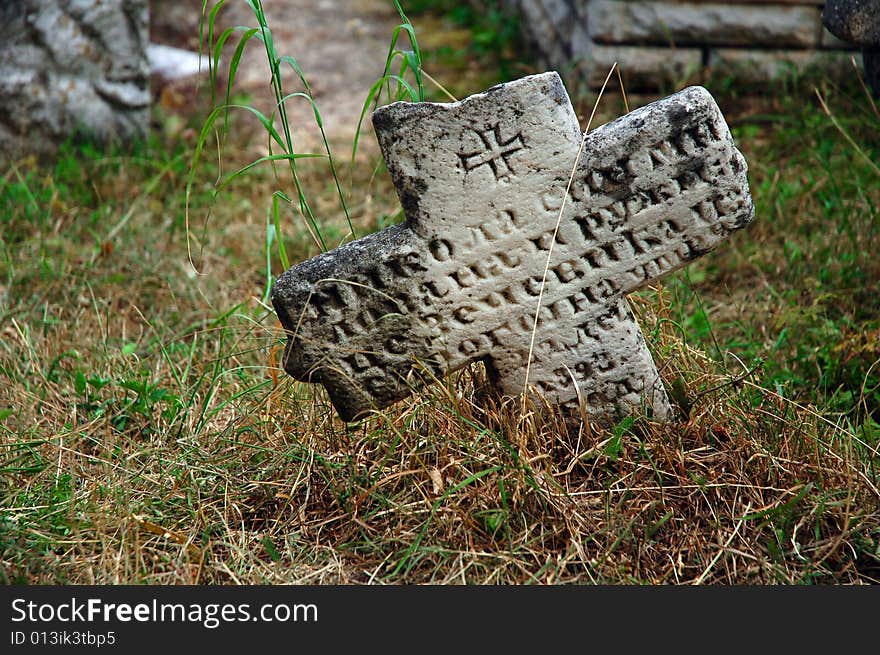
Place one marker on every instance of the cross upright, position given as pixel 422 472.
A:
pixel 493 228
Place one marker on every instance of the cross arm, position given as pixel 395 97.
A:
pixel 656 189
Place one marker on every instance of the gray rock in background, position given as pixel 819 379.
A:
pixel 858 22
pixel 854 21
pixel 72 66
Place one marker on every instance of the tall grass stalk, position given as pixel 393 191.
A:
pixel 278 127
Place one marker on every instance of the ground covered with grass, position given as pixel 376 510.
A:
pixel 148 435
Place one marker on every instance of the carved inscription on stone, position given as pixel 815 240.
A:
pixel 493 228
pixel 495 152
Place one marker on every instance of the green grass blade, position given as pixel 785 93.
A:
pixel 416 52
pixel 262 160
pixel 320 122
pixel 371 96
pixel 276 215
pixel 234 64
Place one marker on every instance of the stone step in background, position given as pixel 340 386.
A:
pixel 657 42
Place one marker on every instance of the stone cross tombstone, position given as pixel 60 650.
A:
pixel 484 182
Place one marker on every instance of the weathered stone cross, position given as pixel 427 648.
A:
pixel 482 183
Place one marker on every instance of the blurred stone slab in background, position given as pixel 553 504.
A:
pixel 644 66
pixel 692 23
pixel 662 43
pixel 756 66
pixel 170 63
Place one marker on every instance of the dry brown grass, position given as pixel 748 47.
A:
pixel 256 481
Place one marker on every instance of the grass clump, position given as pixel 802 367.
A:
pixel 148 435
pixel 798 293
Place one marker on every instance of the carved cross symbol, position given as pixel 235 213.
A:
pixel 494 154
pixel 461 279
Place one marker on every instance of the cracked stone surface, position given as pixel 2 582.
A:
pixel 479 266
